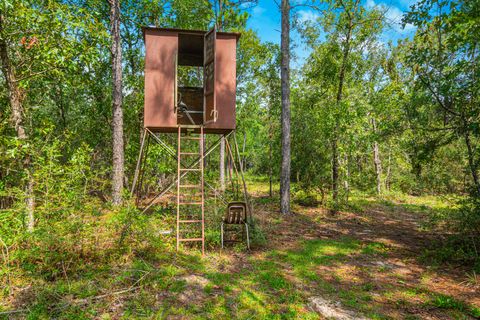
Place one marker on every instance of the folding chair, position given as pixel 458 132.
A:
pixel 236 215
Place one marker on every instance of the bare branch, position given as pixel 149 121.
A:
pixel 437 97
pixel 32 75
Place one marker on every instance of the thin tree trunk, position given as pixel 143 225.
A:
pixel 471 162
pixel 270 168
pixel 378 166
pixel 117 120
pixel 15 99
pixel 387 178
pixel 14 94
pixel 218 19
pixel 30 198
pixel 285 82
pixel 335 166
pixel 222 163
pixel 244 157
pixel 376 159
pixel 346 183
pixel 229 167
pixel 341 80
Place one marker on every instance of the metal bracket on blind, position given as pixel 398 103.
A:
pixel 214 113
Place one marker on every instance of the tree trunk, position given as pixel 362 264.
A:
pixel 218 20
pixel 346 183
pixel 376 159
pixel 15 100
pixel 341 80
pixel 244 157
pixel 389 170
pixel 335 166
pixel 229 167
pixel 471 162
pixel 270 169
pixel 14 94
pixel 222 163
pixel 117 120
pixel 285 82
pixel 378 166
pixel 30 198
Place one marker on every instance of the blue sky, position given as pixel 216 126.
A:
pixel 265 19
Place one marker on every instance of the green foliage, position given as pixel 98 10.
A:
pixel 447 302
pixel 304 198
pixel 461 246
pixel 416 100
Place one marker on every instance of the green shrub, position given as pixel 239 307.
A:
pixel 461 245
pixel 305 198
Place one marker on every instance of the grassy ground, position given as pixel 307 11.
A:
pixel 370 258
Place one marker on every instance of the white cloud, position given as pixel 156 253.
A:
pixel 306 15
pixel 369 4
pixel 393 15
pixel 257 10
pixel 408 3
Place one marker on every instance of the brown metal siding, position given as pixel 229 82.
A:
pixel 161 50
pixel 225 81
pixel 161 47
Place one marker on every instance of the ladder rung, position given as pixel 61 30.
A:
pixel 192 239
pixel 189 169
pixel 186 203
pixel 190 138
pixel 190 186
pixel 193 111
pixel 189 221
pixel 189 153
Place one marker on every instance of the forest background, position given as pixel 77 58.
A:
pixel 368 116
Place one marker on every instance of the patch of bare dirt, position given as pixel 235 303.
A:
pixel 401 284
pixel 195 289
pixel 332 310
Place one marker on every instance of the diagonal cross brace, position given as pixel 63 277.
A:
pixel 194 163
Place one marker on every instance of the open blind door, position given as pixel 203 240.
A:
pixel 210 113
pixel 175 91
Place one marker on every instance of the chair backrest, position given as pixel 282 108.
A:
pixel 236 213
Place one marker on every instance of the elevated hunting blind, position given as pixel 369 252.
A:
pixel 190 91
pixel 168 103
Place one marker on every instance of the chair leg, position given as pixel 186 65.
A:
pixel 221 232
pixel 248 237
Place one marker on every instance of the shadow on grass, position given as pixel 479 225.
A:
pixel 148 279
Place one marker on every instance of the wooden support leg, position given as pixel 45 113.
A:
pixel 248 236
pixel 221 233
pixel 142 171
pixel 139 162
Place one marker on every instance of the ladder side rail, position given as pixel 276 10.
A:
pixel 202 137
pixel 201 203
pixel 178 186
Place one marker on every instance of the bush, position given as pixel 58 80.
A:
pixel 305 198
pixel 463 243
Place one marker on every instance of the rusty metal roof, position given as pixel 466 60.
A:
pixel 187 31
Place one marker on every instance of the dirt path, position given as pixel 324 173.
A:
pixel 365 264
pixel 396 282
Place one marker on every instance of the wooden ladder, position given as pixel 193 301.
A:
pixel 183 173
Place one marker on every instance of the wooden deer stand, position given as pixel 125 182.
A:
pixel 190 112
